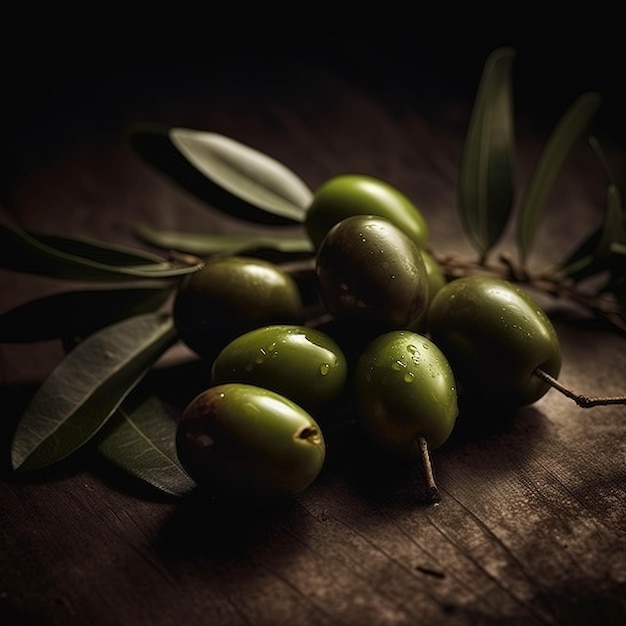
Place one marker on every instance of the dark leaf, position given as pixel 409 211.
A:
pixel 107 253
pixel 618 266
pixel 581 263
pixel 486 179
pixel 229 176
pixel 205 244
pixel 77 313
pixel 141 440
pixel 86 388
pixel 543 177
pixel 23 251
pixel 594 254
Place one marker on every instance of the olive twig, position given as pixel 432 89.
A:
pixel 431 485
pixel 580 399
pixel 603 305
pixel 184 258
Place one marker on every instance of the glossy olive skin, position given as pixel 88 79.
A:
pixel 248 444
pixel 405 388
pixel 229 296
pixel 356 194
pixel 495 336
pixel 303 364
pixel 369 270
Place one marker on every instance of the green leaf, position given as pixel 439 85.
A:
pixel 594 254
pixel 205 244
pixel 22 251
pixel 141 440
pixel 581 263
pixel 77 313
pixel 107 253
pixel 543 177
pixel 86 388
pixel 230 176
pixel 486 178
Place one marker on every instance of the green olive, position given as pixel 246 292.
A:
pixel 302 363
pixel 495 336
pixel 368 269
pixel 405 389
pixel 231 295
pixel 249 444
pixel 436 280
pixel 356 194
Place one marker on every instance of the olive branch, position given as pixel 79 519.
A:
pixel 114 334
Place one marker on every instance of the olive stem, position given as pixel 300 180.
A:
pixel 602 304
pixel 580 399
pixel 431 486
pixel 184 257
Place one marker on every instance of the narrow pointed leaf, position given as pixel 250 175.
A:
pixel 486 178
pixel 580 264
pixel 77 313
pixel 205 244
pixel 227 175
pixel 86 388
pixel 22 251
pixel 102 252
pixel 594 254
pixel 543 177
pixel 141 440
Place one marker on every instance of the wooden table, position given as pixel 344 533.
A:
pixel 531 526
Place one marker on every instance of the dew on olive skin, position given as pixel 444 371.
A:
pixel 406 406
pixel 302 363
pixel 229 296
pixel 355 285
pixel 495 337
pixel 418 397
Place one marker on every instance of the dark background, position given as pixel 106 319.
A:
pixel 61 87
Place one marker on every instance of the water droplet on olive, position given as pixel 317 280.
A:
pixel 229 296
pixel 495 337
pixel 355 286
pixel 393 413
pixel 300 354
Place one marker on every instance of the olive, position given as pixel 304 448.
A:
pixel 229 296
pixel 436 280
pixel 248 444
pixel 405 388
pixel 496 337
pixel 302 363
pixel 406 398
pixel 435 274
pixel 356 194
pixel 368 269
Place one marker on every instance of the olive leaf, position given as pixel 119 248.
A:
pixel 543 177
pixel 594 254
pixel 107 253
pixel 141 441
pixel 62 257
pixel 228 175
pixel 205 244
pixel 86 388
pixel 486 176
pixel 77 313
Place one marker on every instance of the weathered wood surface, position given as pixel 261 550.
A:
pixel 532 525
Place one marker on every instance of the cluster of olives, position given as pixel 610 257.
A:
pixel 406 339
